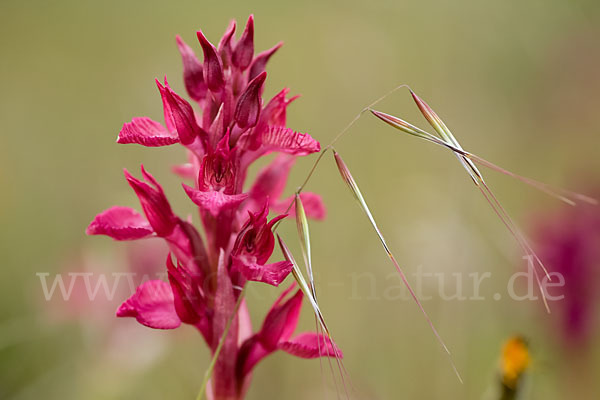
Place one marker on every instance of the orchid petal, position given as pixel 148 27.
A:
pixel 273 274
pixel 168 115
pixel 278 326
pixel 225 44
pixel 282 319
pixel 120 223
pixel 183 117
pixel 275 111
pixel 247 110
pixel 251 352
pixel 187 299
pixel 193 74
pixel 244 50
pixel 154 203
pixel 213 68
pixel 260 61
pixel 213 201
pixel 152 305
pixel 286 140
pixel 146 132
pixel 311 345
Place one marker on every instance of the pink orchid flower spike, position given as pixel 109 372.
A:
pixel 225 127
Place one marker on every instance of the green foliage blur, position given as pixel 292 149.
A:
pixel 516 81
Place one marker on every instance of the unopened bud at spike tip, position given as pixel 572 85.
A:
pixel 260 61
pixel 244 50
pixel 154 203
pixel 193 74
pixel 225 44
pixel 247 110
pixel 213 68
pixel 183 118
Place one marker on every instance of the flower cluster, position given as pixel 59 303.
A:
pixel 224 133
pixel 569 241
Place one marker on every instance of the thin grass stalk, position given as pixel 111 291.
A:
pixel 411 129
pixel 406 127
pixel 472 170
pixel 450 141
pixel 440 127
pixel 444 132
pixel 334 140
pixel 304 236
pixel 529 250
pixel 297 273
pixel 517 236
pixel 351 183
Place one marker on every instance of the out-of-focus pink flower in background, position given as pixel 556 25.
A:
pixel 569 243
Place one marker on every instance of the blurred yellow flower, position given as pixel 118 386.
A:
pixel 514 361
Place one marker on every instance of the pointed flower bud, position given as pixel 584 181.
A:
pixel 213 68
pixel 183 118
pixel 225 45
pixel 248 106
pixel 282 319
pixel 244 50
pixel 260 61
pixel 166 106
pixel 193 74
pixel 188 301
pixel 154 203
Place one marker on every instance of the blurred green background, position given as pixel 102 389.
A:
pixel 516 81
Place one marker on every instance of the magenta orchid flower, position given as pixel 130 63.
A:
pixel 224 130
pixel 253 248
pixel 569 241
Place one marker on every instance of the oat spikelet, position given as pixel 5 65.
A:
pixel 352 185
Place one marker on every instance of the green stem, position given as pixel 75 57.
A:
pixel 211 366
